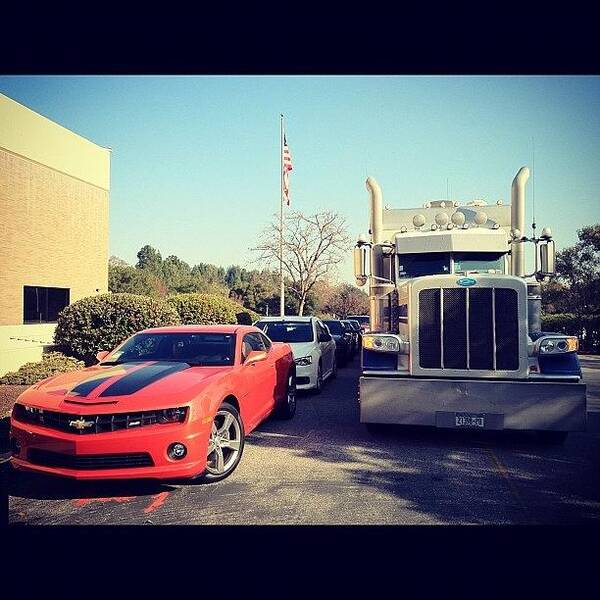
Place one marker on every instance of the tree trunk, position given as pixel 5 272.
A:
pixel 301 306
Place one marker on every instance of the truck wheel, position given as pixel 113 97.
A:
pixel 553 438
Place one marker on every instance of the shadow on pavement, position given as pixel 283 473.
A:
pixel 46 487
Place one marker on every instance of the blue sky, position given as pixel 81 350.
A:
pixel 195 160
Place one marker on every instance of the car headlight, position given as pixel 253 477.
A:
pixel 381 343
pixel 172 415
pixel 304 361
pixel 558 345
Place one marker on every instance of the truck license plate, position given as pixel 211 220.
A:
pixel 469 420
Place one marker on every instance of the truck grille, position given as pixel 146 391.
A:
pixel 469 328
pixel 45 458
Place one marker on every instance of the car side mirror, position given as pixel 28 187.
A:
pixel 255 356
pixel 100 356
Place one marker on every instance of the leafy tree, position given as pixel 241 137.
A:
pixel 149 259
pixel 346 299
pixel 177 275
pixel 129 280
pixel 578 268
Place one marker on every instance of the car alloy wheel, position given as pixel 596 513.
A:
pixel 225 444
pixel 288 408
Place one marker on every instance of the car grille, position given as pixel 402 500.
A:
pixel 85 424
pixel 475 328
pixel 45 458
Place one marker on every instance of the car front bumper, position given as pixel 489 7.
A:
pixel 524 405
pixel 152 439
pixel 306 377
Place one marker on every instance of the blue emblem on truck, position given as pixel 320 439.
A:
pixel 466 281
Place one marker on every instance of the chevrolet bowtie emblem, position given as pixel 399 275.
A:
pixel 80 423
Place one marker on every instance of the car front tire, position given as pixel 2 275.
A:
pixel 225 445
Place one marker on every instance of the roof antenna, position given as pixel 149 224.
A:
pixel 533 185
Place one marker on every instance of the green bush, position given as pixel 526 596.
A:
pixel 52 363
pixel 203 309
pixel 586 327
pixel 244 318
pixel 102 322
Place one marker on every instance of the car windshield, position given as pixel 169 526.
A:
pixel 416 265
pixel 336 327
pixel 482 262
pixel 197 349
pixel 288 331
pixel 355 325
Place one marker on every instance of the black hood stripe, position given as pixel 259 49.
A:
pixel 134 382
pixel 89 385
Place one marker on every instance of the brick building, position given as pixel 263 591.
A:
pixel 54 195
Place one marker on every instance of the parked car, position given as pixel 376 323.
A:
pixel 343 340
pixel 171 402
pixel 356 325
pixel 312 344
pixel 363 320
pixel 350 328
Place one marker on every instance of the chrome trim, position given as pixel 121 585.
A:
pixel 494 326
pixel 486 281
pixel 541 377
pixel 441 328
pixel 468 344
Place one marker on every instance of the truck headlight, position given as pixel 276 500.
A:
pixel 304 361
pixel 558 345
pixel 381 343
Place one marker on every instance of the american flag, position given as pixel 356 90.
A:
pixel 287 167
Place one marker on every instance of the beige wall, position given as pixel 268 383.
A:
pixel 27 133
pixel 53 232
pixel 54 188
pixel 20 344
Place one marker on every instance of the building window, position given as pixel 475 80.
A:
pixel 42 304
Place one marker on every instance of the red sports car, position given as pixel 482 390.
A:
pixel 171 402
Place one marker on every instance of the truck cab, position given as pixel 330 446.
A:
pixel 455 329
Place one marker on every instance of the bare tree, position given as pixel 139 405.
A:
pixel 312 248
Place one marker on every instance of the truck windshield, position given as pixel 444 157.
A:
pixel 416 265
pixel 288 331
pixel 482 262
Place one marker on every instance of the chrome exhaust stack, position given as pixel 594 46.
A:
pixel 517 221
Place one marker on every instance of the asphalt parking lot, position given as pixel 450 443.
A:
pixel 323 467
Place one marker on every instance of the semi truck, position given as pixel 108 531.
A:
pixel 455 336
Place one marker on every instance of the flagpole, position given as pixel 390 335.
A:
pixel 282 289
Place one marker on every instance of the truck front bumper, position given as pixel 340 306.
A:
pixel 527 405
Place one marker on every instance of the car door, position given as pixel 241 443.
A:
pixel 326 345
pixel 260 379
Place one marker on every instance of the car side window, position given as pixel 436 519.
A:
pixel 252 341
pixel 266 341
pixel 324 335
